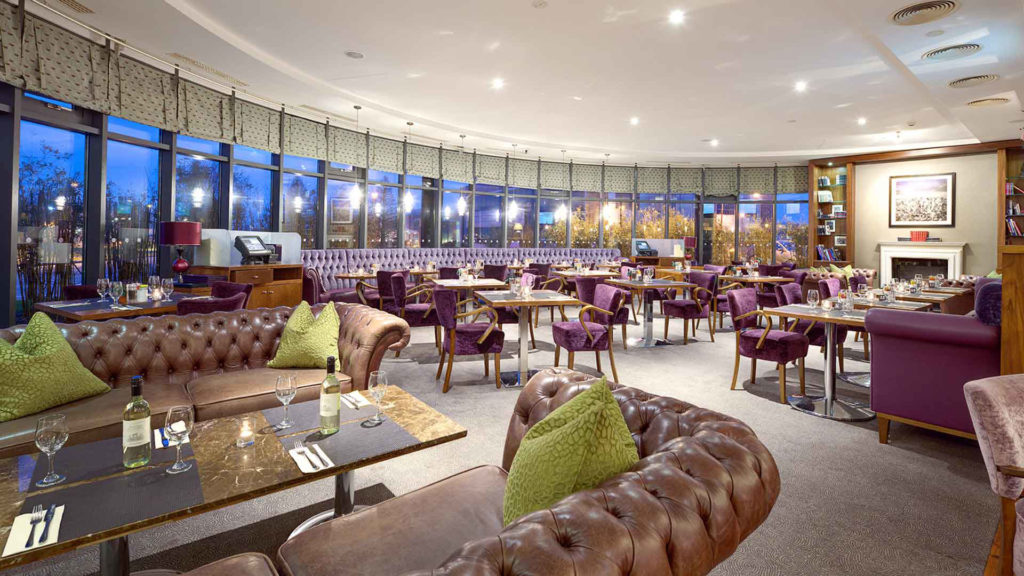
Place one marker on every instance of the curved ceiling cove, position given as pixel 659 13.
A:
pixel 643 81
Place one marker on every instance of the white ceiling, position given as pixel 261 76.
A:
pixel 727 73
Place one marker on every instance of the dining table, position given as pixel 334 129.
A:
pixel 755 280
pixel 829 405
pixel 524 305
pixel 571 273
pixel 638 287
pixel 105 308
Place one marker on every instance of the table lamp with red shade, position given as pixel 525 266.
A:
pixel 179 235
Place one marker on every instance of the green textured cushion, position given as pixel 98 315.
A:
pixel 41 371
pixel 576 447
pixel 307 341
pixel 846 271
pixel 993 274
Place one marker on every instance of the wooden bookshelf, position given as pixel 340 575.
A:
pixel 840 185
pixel 1010 162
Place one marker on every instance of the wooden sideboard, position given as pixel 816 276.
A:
pixel 273 284
pixel 660 261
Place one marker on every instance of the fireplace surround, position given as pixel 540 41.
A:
pixel 920 258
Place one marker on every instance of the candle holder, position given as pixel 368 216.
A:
pixel 246 432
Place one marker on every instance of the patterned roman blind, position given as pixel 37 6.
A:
pixel 346 147
pixel 757 181
pixel 554 175
pixel 257 126
pixel 490 170
pixel 145 94
pixel 586 178
pixel 684 180
pixel 619 179
pixel 457 165
pixel 304 137
pixel 522 173
pixel 386 154
pixel 68 66
pixel 792 179
pixel 205 113
pixel 423 160
pixel 652 180
pixel 720 182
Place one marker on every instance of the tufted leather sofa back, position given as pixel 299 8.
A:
pixel 703 484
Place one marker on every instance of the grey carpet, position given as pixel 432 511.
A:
pixel 849 505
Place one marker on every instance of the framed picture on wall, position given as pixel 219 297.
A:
pixel 926 200
pixel 341 211
pixel 840 240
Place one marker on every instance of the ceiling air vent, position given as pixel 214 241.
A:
pixel 987 102
pixel 951 52
pixel 74 6
pixel 971 81
pixel 924 12
pixel 197 66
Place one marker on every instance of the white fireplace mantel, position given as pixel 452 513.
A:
pixel 951 252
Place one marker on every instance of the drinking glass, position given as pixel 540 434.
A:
pixel 116 291
pixel 168 286
pixel 918 279
pixel 378 387
pixel 862 290
pixel 102 287
pixel 285 391
pixel 178 427
pixel 940 279
pixel 51 434
pixel 813 298
pixel 155 288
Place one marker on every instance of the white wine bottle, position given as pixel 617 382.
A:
pixel 330 401
pixel 136 446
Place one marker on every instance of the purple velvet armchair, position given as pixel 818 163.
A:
pixel 314 291
pixel 701 306
pixel 778 346
pixel 921 361
pixel 594 331
pixel 467 339
pixel 209 305
pixel 224 289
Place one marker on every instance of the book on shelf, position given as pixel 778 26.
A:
pixel 1011 188
pixel 909 239
pixel 1013 209
pixel 827 254
pixel 1012 228
pixel 824 196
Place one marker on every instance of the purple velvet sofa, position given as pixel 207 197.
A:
pixel 920 362
pixel 332 262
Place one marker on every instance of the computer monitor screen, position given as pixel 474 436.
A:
pixel 642 245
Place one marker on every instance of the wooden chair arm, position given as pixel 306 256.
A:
pixel 561 284
pixel 360 286
pixel 764 335
pixel 731 286
pixel 1015 471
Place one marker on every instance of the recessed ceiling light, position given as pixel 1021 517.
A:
pixel 578 98
pixel 634 121
pixel 829 163
pixel 498 83
pixel 862 121
pixel 540 3
pixel 800 86
pixel 676 17
pixel 714 142
pixel 354 55
pixel 935 33
pixel 791 121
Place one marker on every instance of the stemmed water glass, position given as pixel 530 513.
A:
pixel 154 284
pixel 813 298
pixel 378 387
pixel 51 434
pixel 116 291
pixel 285 392
pixel 940 280
pixel 168 286
pixel 102 287
pixel 177 427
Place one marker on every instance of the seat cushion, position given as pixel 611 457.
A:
pixel 780 346
pixel 342 295
pixel 571 336
pixel 467 335
pixel 241 391
pixel 93 418
pixel 416 531
pixel 684 309
pixel 248 564
pixel 307 340
pixel 414 315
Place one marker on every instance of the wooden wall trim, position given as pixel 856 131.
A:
pixel 1012 337
pixel 922 153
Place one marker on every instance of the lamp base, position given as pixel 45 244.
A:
pixel 180 266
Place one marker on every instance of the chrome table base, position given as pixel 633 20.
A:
pixel 344 503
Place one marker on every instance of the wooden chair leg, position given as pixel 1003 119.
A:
pixel 666 328
pixel 696 325
pixel 597 355
pixel 867 348
pixel 558 350
pixel 686 331
pixel 533 341
pixel 437 339
pixel 572 360
pixel 782 382
pixel 1009 529
pixel 711 327
pixel 487 367
pixel 497 370
pixel 883 429
pixel 736 367
pixel 842 364
pixel 397 352
pixel 448 374
pixel 753 370
pixel 624 337
pixel 440 364
pixel 803 390
pixel 611 359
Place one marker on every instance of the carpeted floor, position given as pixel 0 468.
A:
pixel 849 505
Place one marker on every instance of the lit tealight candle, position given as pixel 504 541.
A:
pixel 246 434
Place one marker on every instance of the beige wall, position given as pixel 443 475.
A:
pixel 977 208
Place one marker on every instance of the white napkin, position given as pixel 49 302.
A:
pixel 299 456
pixel 21 527
pixel 158 441
pixel 357 399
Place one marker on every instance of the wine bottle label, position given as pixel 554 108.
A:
pixel 330 404
pixel 135 432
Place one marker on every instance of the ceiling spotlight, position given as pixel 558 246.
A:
pixel 800 86
pixel 862 121
pixel 498 83
pixel 354 55
pixel 676 17
pixel 540 4
pixel 634 121
pixel 578 98
pixel 714 142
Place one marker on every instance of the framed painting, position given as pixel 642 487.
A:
pixel 341 211
pixel 922 201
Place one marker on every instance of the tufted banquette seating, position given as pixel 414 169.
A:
pixel 214 362
pixel 703 484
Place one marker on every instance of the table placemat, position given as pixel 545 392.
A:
pixel 357 441
pixel 96 459
pixel 106 504
pixel 306 416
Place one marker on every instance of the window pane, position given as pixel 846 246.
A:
pixel 382 218
pixel 553 214
pixel 344 201
pixel 586 216
pixel 251 199
pixel 420 181
pixel 343 167
pixel 253 155
pixel 300 205
pixel 490 188
pixel 301 163
pixel 455 220
pixel 487 221
pixel 650 220
pixel 197 187
pixel 52 101
pixel 522 191
pixel 379 176
pixel 522 222
pixel 618 226
pixel 133 197
pixel 756 239
pixel 791 233
pixel 682 225
pixel 453 185
pixel 133 129
pixel 419 218
pixel 198 144
pixel 51 215
pixel 718 233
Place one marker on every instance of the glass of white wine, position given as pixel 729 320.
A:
pixel 378 387
pixel 285 392
pixel 178 426
pixel 51 434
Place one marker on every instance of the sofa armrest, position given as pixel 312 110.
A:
pixel 366 334
pixel 947 329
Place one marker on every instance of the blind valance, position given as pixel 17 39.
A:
pixel 386 154
pixel 554 175
pixel 522 173
pixel 490 170
pixel 586 177
pixel 721 182
pixel 457 165
pixel 652 180
pixel 423 160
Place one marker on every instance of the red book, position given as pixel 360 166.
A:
pixel 918 235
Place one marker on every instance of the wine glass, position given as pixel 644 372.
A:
pixel 177 427
pixel 285 391
pixel 940 279
pixel 116 291
pixel 378 387
pixel 155 288
pixel 813 298
pixel 102 287
pixel 168 286
pixel 51 434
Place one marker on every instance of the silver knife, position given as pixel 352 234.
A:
pixel 313 459
pixel 323 457
pixel 348 402
pixel 46 526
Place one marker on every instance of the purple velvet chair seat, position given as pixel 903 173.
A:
pixel 572 336
pixel 779 346
pixel 466 339
pixel 466 336
pixel 223 289
pixel 352 297
pixel 208 305
pixel 420 315
pixel 685 309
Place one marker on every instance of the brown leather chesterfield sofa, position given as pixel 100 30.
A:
pixel 703 484
pixel 213 362
pixel 811 280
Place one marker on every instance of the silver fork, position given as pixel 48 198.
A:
pixel 300 449
pixel 37 517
